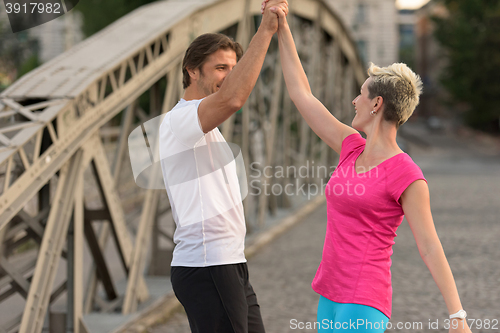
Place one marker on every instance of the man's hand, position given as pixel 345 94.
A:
pixel 282 22
pixel 269 10
pixel 265 3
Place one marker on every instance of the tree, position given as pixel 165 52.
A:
pixel 470 38
pixel 97 14
pixel 18 54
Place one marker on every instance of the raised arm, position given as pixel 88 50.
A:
pixel 238 84
pixel 321 121
pixel 416 206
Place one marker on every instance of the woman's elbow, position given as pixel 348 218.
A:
pixel 301 98
pixel 430 249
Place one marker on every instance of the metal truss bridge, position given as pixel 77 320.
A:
pixel 78 237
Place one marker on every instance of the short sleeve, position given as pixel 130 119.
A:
pixel 185 123
pixel 349 144
pixel 405 174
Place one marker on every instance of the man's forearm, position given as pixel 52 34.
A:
pixel 239 83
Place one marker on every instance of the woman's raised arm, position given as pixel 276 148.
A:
pixel 321 121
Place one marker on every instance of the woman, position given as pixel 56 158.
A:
pixel 374 185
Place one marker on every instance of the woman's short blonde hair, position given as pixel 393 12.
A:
pixel 400 88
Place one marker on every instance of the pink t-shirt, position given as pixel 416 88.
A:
pixel 363 215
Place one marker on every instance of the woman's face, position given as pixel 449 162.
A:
pixel 363 106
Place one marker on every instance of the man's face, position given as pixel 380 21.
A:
pixel 214 71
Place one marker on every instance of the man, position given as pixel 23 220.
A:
pixel 209 272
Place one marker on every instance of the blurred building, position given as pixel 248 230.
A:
pixel 407 20
pixel 429 59
pixel 374 26
pixel 46 41
pixel 59 35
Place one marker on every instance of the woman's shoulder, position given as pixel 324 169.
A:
pixel 406 159
pixel 402 164
pixel 403 171
pixel 352 141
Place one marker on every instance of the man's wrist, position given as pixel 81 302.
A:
pixel 265 31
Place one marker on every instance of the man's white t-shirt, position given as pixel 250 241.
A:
pixel 200 176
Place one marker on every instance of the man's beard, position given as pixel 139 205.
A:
pixel 206 88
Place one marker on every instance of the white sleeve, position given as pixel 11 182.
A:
pixel 185 123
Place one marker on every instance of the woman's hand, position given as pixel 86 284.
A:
pixel 281 11
pixel 283 6
pixel 264 4
pixel 271 13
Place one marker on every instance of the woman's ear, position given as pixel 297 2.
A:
pixel 378 102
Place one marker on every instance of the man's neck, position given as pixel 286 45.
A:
pixel 191 93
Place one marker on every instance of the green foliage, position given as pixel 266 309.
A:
pixel 407 55
pixel 18 52
pixel 470 37
pixel 30 64
pixel 97 14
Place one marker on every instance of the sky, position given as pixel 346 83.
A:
pixel 410 4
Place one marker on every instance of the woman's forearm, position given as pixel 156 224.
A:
pixel 439 267
pixel 317 116
pixel 295 77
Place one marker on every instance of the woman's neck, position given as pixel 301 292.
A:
pixel 381 140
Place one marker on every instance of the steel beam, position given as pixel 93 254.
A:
pixel 112 203
pixel 148 217
pixel 126 125
pixel 50 250
pixel 76 304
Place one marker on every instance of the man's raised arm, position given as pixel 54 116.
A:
pixel 238 85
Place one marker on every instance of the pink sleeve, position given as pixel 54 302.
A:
pixel 350 143
pixel 407 173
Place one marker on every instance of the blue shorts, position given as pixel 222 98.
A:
pixel 348 317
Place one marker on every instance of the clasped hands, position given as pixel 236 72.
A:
pixel 273 11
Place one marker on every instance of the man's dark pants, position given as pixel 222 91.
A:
pixel 218 299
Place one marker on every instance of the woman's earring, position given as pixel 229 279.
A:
pixel 373 112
